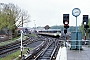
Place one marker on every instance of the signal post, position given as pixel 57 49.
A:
pixel 66 25
pixel 85 23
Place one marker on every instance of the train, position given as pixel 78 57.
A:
pixel 51 32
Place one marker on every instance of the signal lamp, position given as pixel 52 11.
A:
pixel 66 22
pixel 84 23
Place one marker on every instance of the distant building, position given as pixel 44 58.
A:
pixel 5 34
pixel 21 28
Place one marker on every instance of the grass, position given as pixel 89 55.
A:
pixel 33 35
pixel 14 55
pixel 10 41
pixel 17 53
pixel 6 42
pixel 14 40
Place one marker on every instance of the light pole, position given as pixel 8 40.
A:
pixel 34 26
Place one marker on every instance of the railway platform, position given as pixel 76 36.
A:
pixel 78 55
pixel 62 54
pixel 67 54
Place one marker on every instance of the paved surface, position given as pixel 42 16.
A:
pixel 78 55
pixel 62 54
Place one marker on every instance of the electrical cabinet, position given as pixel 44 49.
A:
pixel 76 40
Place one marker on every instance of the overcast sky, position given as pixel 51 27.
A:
pixel 50 12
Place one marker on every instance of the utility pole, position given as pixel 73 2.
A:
pixel 22 21
pixel 21 43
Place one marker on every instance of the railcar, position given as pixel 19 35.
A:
pixel 50 32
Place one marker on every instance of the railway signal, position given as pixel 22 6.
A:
pixel 85 23
pixel 85 19
pixel 66 20
pixel 66 25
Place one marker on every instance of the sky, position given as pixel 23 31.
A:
pixel 50 12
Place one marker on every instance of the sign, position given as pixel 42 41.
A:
pixel 76 12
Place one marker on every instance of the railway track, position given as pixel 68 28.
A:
pixel 44 51
pixel 4 50
pixel 7 49
pixel 35 51
pixel 47 52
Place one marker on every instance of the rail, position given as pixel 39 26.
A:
pixel 35 51
pixel 48 52
pixel 53 52
pixel 5 50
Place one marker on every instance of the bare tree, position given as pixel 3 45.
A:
pixel 14 15
pixel 11 16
